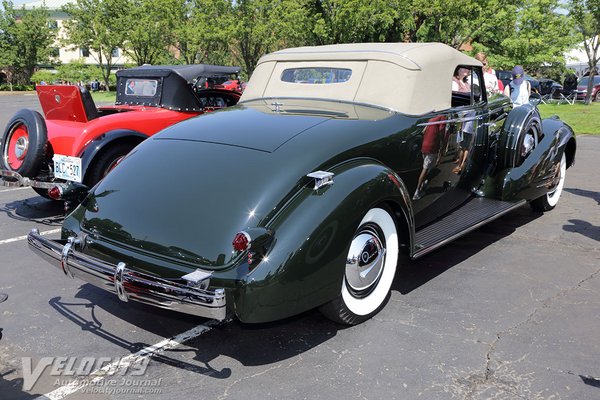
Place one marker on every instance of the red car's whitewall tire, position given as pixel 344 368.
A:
pixel 24 143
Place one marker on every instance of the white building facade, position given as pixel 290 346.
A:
pixel 67 54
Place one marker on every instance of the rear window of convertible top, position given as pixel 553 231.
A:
pixel 316 75
pixel 141 87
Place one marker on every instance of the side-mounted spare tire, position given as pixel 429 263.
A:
pixel 24 143
pixel 521 133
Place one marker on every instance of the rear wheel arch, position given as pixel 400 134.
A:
pixel 117 143
pixel 313 231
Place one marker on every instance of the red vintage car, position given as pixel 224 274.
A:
pixel 78 142
pixel 582 87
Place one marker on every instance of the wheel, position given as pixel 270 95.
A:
pixel 370 269
pixel 597 96
pixel 24 143
pixel 548 201
pixel 106 161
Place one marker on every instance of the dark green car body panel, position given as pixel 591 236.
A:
pixel 176 202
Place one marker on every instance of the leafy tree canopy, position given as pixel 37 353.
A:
pixel 100 26
pixel 25 41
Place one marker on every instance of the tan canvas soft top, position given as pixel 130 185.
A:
pixel 411 78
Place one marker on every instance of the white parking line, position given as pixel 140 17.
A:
pixel 12 189
pixel 18 238
pixel 125 362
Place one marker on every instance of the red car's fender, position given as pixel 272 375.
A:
pixel 71 138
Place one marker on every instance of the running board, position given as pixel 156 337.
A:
pixel 468 217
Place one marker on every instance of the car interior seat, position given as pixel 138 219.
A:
pixel 88 104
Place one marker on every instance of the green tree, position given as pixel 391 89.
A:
pixel 100 26
pixel 25 41
pixel 541 35
pixel 201 32
pixel 350 21
pixel 43 75
pixel 78 71
pixel 586 17
pixel 532 33
pixel 149 37
pixel 262 26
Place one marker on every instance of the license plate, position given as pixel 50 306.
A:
pixel 67 168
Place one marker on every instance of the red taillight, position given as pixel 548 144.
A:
pixel 241 241
pixel 55 193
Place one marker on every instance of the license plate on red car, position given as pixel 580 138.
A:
pixel 67 168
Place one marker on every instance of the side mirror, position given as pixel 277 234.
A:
pixel 535 99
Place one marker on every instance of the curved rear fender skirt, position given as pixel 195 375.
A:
pixel 534 176
pixel 305 266
pixel 95 146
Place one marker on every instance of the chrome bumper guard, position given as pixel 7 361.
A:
pixel 16 180
pixel 193 298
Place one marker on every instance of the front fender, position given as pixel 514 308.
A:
pixel 532 178
pixel 90 151
pixel 304 267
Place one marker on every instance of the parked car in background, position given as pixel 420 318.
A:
pixel 548 86
pixel 78 142
pixel 315 188
pixel 582 86
pixel 506 78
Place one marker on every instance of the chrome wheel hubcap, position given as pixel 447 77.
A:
pixel 21 147
pixel 365 261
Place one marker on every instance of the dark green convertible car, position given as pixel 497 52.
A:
pixel 338 164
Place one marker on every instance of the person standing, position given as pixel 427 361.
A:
pixel 492 85
pixel 519 89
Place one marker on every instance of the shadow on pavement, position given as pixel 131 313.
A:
pixel 585 193
pixel 424 269
pixel 259 344
pixel 249 344
pixel 12 389
pixel 35 209
pixel 583 228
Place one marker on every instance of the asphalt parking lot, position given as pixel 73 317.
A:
pixel 510 311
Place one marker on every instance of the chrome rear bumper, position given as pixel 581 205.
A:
pixel 128 284
pixel 15 179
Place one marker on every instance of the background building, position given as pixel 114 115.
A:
pixel 65 53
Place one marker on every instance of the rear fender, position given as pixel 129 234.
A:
pixel 305 265
pixel 101 142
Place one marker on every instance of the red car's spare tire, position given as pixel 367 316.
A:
pixel 24 143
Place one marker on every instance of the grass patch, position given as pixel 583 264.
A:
pixel 582 118
pixel 104 97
